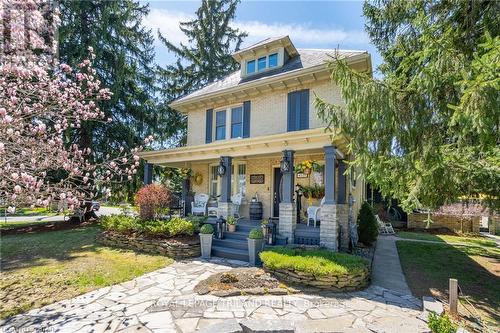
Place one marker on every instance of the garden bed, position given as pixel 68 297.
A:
pixel 320 268
pixel 242 281
pixel 175 247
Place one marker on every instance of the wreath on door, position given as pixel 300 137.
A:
pixel 198 178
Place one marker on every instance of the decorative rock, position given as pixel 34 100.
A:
pixel 267 326
pixel 432 304
pixel 227 326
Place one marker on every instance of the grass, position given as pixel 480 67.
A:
pixel 429 266
pixel 318 262
pixel 42 268
pixel 29 211
pixel 21 224
pixel 466 239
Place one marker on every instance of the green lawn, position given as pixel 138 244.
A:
pixel 29 211
pixel 42 268
pixel 429 266
pixel 21 224
pixel 468 239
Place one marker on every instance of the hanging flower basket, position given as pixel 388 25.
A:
pixel 307 167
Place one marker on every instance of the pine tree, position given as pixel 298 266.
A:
pixel 427 133
pixel 367 224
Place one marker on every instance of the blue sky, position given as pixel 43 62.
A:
pixel 310 24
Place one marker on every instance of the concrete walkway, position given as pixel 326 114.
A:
pixel 164 301
pixel 387 272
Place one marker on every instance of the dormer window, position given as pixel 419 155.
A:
pixel 261 65
pixel 273 60
pixel 250 66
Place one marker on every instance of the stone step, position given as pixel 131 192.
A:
pixel 229 253
pixel 231 243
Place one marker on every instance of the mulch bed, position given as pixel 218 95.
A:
pixel 242 281
pixel 53 226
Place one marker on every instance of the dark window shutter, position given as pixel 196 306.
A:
pixel 304 109
pixel 291 112
pixel 208 126
pixel 246 119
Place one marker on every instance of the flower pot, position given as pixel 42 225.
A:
pixel 231 227
pixel 206 245
pixel 254 248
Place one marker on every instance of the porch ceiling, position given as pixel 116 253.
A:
pixel 308 141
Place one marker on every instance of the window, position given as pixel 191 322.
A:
pixel 261 65
pixel 250 66
pixel 273 60
pixel 220 125
pixel 237 122
pixel 214 181
pixel 241 184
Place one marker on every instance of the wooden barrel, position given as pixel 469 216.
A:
pixel 256 210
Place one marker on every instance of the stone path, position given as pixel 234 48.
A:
pixel 164 301
pixel 386 268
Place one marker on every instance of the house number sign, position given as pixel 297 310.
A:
pixel 257 179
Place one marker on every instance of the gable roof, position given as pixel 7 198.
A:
pixel 307 59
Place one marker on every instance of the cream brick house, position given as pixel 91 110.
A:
pixel 259 116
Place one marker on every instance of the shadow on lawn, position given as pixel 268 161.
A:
pixel 32 249
pixel 428 268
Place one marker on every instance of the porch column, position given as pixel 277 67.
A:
pixel 287 212
pixel 341 196
pixel 225 206
pixel 186 185
pixel 148 173
pixel 328 233
pixel 343 207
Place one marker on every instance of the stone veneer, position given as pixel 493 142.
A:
pixel 176 248
pixel 288 221
pixel 345 282
pixel 343 223
pixel 328 232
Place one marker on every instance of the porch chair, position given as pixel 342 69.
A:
pixel 236 200
pixel 384 227
pixel 313 213
pixel 199 205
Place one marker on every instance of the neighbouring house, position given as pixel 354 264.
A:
pixel 259 122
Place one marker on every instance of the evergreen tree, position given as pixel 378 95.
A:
pixel 207 57
pixel 428 132
pixel 367 224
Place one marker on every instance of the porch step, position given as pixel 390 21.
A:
pixel 237 235
pixel 230 253
pixel 231 243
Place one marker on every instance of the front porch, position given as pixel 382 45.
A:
pixel 262 170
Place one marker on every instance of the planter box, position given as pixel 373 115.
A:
pixel 206 245
pixel 254 248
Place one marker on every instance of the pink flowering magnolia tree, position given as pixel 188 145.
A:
pixel 41 103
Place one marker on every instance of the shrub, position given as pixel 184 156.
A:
pixel 153 201
pixel 256 234
pixel 206 229
pixel 367 224
pixel 197 221
pixel 319 262
pixel 440 324
pixel 178 226
pixel 152 227
pixel 119 223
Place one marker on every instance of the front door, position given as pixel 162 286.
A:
pixel 276 192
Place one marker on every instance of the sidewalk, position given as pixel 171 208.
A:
pixel 387 272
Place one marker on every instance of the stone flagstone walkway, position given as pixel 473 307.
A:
pixel 164 301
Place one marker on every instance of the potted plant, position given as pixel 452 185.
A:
pixel 231 224
pixel 206 235
pixel 263 225
pixel 255 241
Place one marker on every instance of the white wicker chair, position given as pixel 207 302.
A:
pixel 199 205
pixel 384 227
pixel 236 200
pixel 313 213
